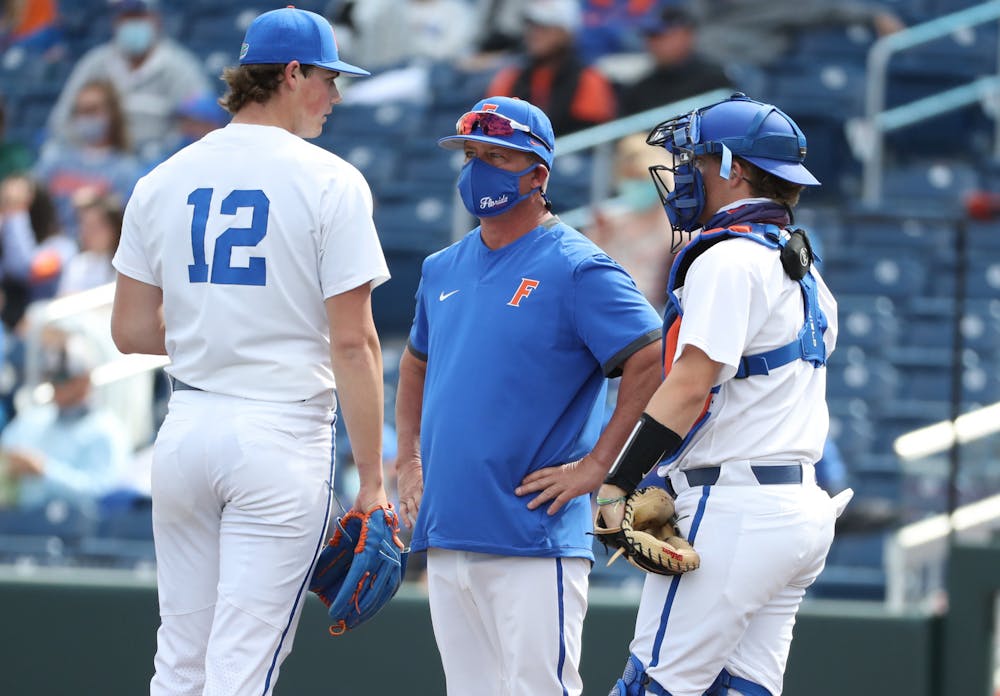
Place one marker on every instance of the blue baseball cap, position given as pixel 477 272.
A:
pixel 531 129
pixel 281 36
pixel 675 13
pixel 203 107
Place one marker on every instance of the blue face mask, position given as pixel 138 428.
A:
pixel 487 190
pixel 135 36
pixel 638 194
pixel 89 129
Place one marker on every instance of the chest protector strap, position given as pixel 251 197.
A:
pixel 796 259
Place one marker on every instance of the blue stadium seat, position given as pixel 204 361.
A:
pixel 48 534
pixel 854 569
pixel 124 536
pixel 425 164
pixel 393 302
pixel 387 121
pixel 418 224
pixel 983 280
pixel 569 186
pixel 819 87
pixel 854 433
pixel 854 374
pixel 936 186
pixel 868 321
pixel 981 325
pixel 897 277
pixel 965 54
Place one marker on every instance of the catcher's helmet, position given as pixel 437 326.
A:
pixel 759 133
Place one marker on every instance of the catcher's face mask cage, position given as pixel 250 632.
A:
pixel 759 133
pixel 683 193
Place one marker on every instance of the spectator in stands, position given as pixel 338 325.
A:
pixel 33 250
pixel 388 33
pixel 677 71
pixel 761 32
pixel 502 26
pixel 67 448
pixel 99 221
pixel 551 75
pixel 613 26
pixel 32 25
pixel 195 118
pixel 634 229
pixel 15 157
pixel 153 74
pixel 95 154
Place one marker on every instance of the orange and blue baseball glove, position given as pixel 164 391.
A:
pixel 361 567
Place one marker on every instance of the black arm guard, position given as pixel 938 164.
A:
pixel 648 444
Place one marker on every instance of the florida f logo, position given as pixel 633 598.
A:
pixel 527 285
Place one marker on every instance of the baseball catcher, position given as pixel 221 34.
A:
pixel 648 536
pixel 361 567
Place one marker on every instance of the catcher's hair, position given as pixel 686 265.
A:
pixel 766 185
pixel 253 83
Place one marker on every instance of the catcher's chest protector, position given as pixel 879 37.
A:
pixel 796 258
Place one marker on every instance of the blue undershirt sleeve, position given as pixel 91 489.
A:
pixel 417 342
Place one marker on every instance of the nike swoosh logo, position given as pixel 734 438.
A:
pixel 445 295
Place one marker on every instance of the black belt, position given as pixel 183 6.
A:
pixel 766 475
pixel 177 385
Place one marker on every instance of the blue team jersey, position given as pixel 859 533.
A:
pixel 519 342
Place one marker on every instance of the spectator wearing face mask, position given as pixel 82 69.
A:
pixel 93 155
pixel 153 74
pixel 633 227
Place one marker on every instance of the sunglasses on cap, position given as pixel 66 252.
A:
pixel 493 124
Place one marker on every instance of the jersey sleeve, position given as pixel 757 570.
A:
pixel 350 252
pixel 132 257
pixel 612 317
pixel 721 302
pixel 417 342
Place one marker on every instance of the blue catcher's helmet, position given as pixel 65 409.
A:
pixel 760 133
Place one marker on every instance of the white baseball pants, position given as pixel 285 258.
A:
pixel 241 495
pixel 508 626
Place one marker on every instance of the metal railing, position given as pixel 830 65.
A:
pixel 868 135
pixel 123 383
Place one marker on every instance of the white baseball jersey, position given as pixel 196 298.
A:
pixel 761 544
pixel 729 312
pixel 246 253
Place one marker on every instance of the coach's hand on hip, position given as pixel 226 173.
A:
pixel 563 482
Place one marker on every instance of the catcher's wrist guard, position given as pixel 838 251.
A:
pixel 649 442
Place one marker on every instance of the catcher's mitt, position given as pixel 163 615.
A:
pixel 361 567
pixel 648 536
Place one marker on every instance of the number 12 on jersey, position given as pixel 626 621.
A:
pixel 223 272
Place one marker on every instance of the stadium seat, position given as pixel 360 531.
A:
pixel 417 223
pixel 937 185
pixel 124 537
pixel 393 302
pixel 868 321
pixel 899 278
pixel 570 183
pixel 47 534
pixel 854 374
pixel 983 279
